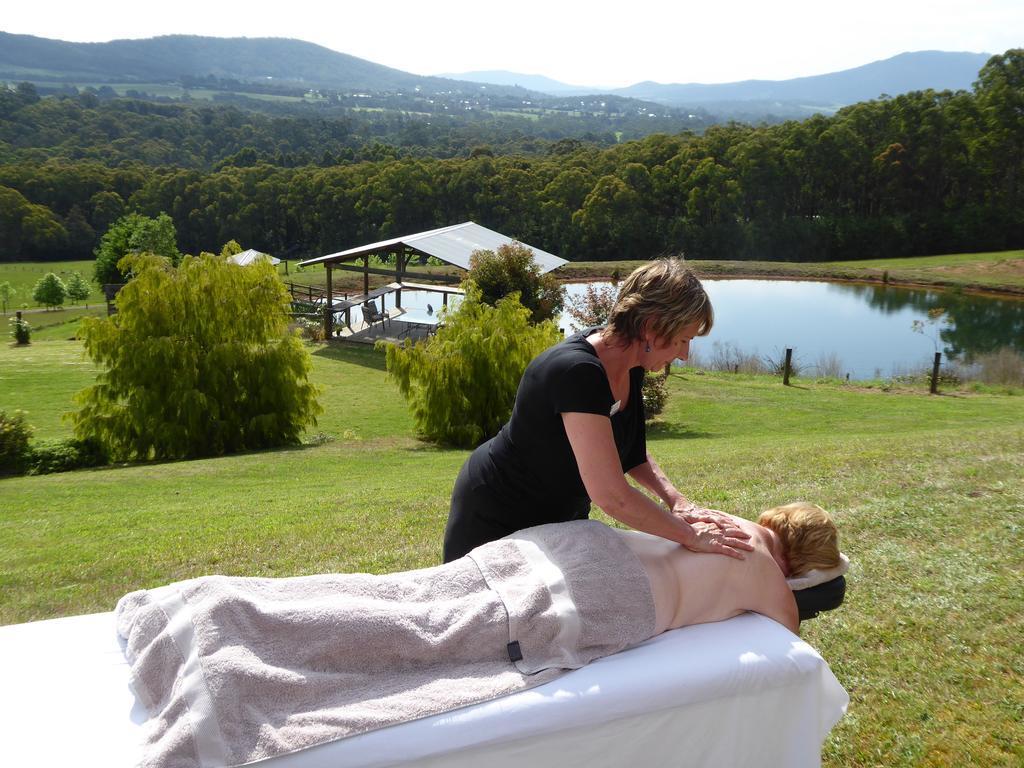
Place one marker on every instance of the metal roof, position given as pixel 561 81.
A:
pixel 452 245
pixel 248 257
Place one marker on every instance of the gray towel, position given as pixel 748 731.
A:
pixel 235 670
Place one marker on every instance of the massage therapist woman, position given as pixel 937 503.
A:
pixel 577 428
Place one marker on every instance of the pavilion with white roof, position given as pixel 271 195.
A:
pixel 453 245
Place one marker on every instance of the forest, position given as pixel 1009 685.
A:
pixel 921 173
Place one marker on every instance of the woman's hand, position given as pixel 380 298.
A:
pixel 713 531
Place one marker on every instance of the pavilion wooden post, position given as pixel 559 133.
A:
pixel 401 260
pixel 329 308
pixel 789 363
pixel 366 274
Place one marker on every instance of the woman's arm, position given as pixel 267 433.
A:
pixel 593 445
pixel 651 476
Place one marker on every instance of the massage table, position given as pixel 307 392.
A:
pixel 743 692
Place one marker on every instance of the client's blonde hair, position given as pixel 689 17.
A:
pixel 808 535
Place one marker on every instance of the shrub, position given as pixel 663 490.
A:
pixel 777 365
pixel 50 290
pixel 1005 366
pixel 15 434
pixel 198 362
pixel 20 330
pixel 828 366
pixel 511 269
pixel 461 383
pixel 593 306
pixel 655 394
pixel 65 455
pixel 726 357
pixel 312 330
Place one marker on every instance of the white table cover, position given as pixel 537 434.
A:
pixel 743 692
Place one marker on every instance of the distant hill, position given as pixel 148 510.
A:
pixel 938 70
pixel 538 83
pixel 241 66
pixel 169 58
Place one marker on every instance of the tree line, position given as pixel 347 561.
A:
pixel 925 172
pixel 236 129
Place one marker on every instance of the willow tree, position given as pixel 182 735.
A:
pixel 461 383
pixel 198 361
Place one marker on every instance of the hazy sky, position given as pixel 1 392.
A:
pixel 592 43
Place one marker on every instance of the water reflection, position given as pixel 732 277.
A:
pixel 972 324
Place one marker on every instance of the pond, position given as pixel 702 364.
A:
pixel 864 330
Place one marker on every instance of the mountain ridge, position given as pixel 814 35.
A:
pixel 904 72
pixel 167 57
pixel 274 66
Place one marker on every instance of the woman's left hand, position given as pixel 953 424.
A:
pixel 691 513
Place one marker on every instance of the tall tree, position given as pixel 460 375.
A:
pixel 133 233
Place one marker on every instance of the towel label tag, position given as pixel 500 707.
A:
pixel 515 653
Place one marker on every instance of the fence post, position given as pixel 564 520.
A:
pixel 935 373
pixel 785 370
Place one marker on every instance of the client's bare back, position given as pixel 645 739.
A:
pixel 696 587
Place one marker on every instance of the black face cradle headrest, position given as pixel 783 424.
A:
pixel 824 597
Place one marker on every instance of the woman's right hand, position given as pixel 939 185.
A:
pixel 710 537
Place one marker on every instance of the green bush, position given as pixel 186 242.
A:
pixel 655 393
pixel 15 434
pixel 461 383
pixel 20 330
pixel 198 362
pixel 65 455
pixel 511 269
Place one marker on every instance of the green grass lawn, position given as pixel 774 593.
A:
pixel 928 493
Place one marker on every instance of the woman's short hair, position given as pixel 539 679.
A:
pixel 808 535
pixel 660 298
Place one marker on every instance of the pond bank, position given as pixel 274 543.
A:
pixel 1001 276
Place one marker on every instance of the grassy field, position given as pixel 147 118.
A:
pixel 23 276
pixel 928 493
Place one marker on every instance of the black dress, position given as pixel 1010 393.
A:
pixel 527 474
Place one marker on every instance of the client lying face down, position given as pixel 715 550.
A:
pixel 693 588
pixel 235 670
